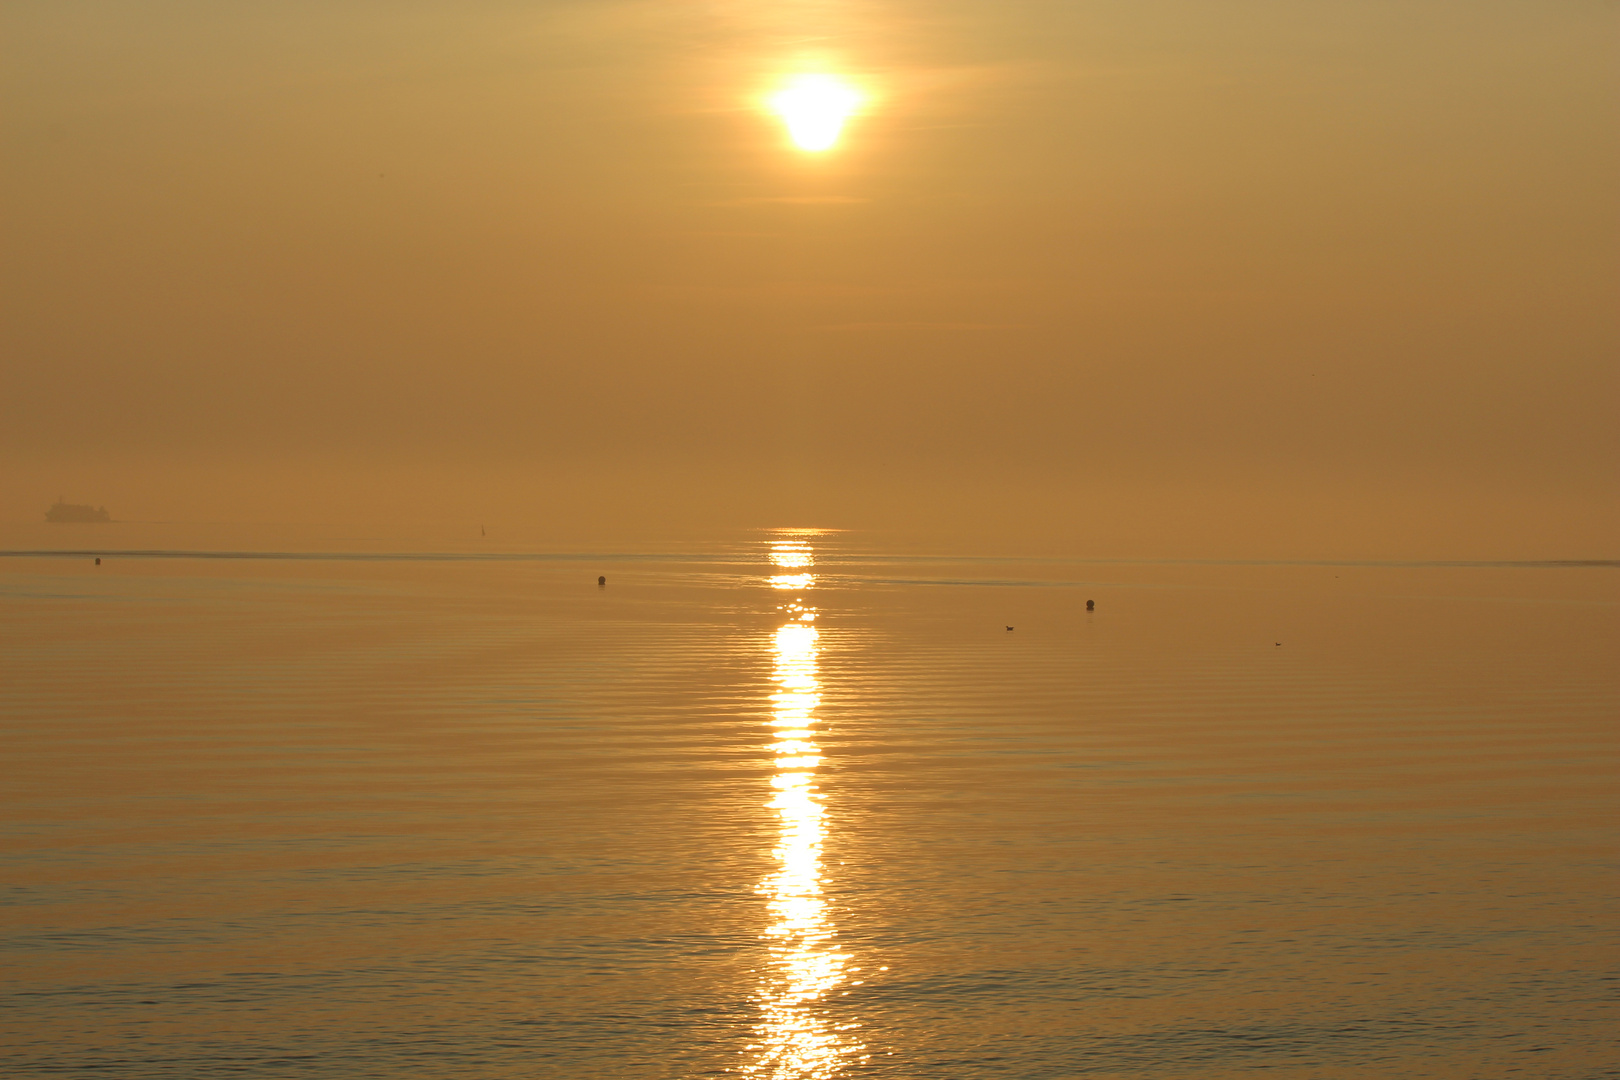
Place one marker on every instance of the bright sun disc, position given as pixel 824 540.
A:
pixel 814 108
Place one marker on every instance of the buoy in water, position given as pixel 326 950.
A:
pixel 601 582
pixel 1091 605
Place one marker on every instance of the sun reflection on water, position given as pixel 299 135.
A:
pixel 797 1038
pixel 792 581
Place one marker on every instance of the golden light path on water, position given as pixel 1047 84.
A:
pixel 796 1038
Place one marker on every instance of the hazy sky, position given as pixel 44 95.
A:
pixel 1257 276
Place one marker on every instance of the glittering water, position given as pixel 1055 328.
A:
pixel 789 807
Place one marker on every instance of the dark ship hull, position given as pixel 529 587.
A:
pixel 76 514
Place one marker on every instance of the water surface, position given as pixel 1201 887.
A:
pixel 793 806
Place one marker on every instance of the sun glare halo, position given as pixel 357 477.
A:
pixel 815 108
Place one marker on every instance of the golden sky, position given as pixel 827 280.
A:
pixel 1112 270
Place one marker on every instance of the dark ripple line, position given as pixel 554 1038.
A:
pixel 736 559
pixel 376 556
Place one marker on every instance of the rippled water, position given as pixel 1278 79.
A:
pixel 793 808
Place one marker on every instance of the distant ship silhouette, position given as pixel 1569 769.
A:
pixel 72 512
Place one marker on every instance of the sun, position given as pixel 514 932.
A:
pixel 815 108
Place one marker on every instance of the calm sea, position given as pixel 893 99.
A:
pixel 790 806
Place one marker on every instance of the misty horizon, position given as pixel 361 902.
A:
pixel 1291 281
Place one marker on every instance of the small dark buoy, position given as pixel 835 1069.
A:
pixel 1009 628
pixel 98 561
pixel 1277 643
pixel 1091 605
pixel 601 582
